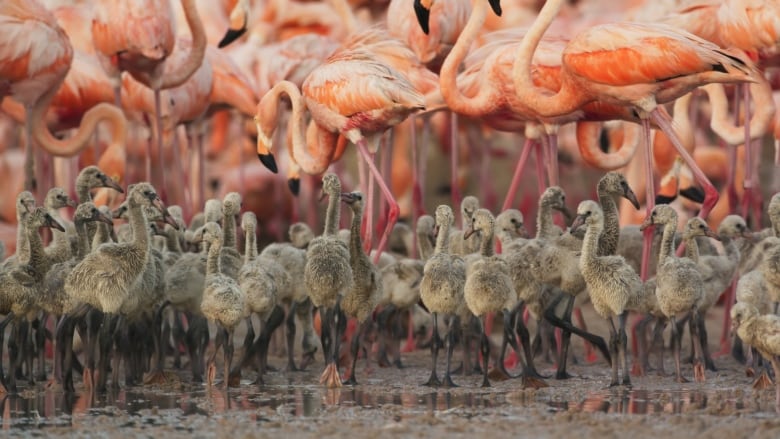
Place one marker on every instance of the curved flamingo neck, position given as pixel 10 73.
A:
pixel 691 248
pixel 197 50
pixel 545 104
pixel 76 143
pixel 590 150
pixel 761 117
pixel 456 101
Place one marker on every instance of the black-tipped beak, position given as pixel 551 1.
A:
pixel 424 15
pixel 579 220
pixel 522 231
pixel 230 36
pixel 631 196
pixel 711 234
pixel 350 197
pixel 158 203
pixel 294 184
pixel 496 6
pixel 693 193
pixel 269 162
pixel 53 224
pixel 566 213
pixel 170 219
pixel 103 218
pixel 109 182
pixel 646 223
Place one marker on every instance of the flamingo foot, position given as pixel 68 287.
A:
pixel 306 359
pixel 749 372
pixel 330 376
pixel 534 383
pixel 498 374
pixel 51 385
pixel 211 373
pixel 682 380
pixel 763 382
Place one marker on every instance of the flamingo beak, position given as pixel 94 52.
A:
pixel 579 220
pixel 522 231
pixel 231 35
pixel 566 213
pixel 646 223
pixel 103 218
pixel 168 219
pixel 631 196
pixel 747 234
pixel 711 234
pixel 71 202
pixel 467 234
pixel 424 15
pixel 496 6
pixel 350 197
pixel 294 184
pixel 53 224
pixel 110 183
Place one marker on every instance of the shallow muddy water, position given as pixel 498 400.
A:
pixel 391 402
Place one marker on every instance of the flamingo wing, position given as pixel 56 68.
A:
pixel 641 53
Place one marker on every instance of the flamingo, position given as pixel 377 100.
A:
pixel 353 94
pixel 35 56
pixel 138 36
pixel 593 69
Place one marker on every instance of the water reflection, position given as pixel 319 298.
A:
pixel 134 407
pixel 641 401
pixel 139 407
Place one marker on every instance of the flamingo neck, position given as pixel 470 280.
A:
pixel 545 227
pixel 333 215
pixel 228 230
pixel 172 239
pixel 667 241
pixel 37 256
pixel 609 236
pixel 546 104
pixel 424 246
pixel 355 240
pixel 197 50
pixel 487 246
pixel 22 249
pixel 691 248
pixel 456 101
pixel 250 243
pixel 590 243
pixel 139 225
pixel 443 239
pixel 82 249
pixel 213 265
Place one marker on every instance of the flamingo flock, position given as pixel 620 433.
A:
pixel 295 83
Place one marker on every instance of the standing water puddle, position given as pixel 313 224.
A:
pixel 141 407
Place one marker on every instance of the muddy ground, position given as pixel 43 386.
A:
pixel 390 402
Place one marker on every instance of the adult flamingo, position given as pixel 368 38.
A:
pixel 353 94
pixel 35 56
pixel 137 36
pixel 593 69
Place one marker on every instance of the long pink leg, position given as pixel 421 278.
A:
pixel 385 163
pixel 710 193
pixel 456 195
pixel 369 239
pixel 515 184
pixel 552 159
pixel 649 198
pixel 30 183
pixel 392 216
pixel 363 183
pixel 747 196
pixel 159 182
pixel 416 190
pixel 540 183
